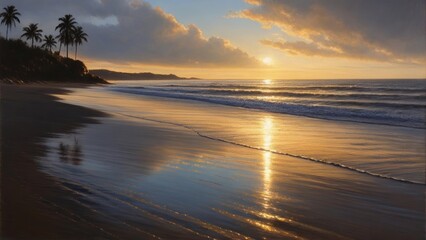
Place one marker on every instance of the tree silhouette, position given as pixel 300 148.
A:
pixel 49 42
pixel 9 17
pixel 61 39
pixel 32 32
pixel 79 36
pixel 66 28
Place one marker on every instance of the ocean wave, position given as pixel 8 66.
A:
pixel 275 93
pixel 394 117
pixel 395 89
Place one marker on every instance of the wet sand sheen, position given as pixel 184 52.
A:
pixel 161 180
pixel 391 152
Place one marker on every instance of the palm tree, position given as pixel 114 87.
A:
pixel 66 28
pixel 79 36
pixel 49 42
pixel 9 17
pixel 61 39
pixel 32 32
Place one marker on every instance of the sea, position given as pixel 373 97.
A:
pixel 399 102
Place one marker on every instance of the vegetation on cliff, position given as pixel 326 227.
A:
pixel 21 63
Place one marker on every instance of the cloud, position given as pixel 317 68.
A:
pixel 98 21
pixel 300 47
pixel 134 31
pixel 391 31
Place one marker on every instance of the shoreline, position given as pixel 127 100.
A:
pixel 366 132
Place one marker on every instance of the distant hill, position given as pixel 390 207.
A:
pixel 20 63
pixel 111 75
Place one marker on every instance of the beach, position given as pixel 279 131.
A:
pixel 123 166
pixel 239 120
pixel 28 114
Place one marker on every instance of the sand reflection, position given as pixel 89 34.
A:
pixel 70 152
pixel 267 172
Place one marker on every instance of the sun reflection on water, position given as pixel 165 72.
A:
pixel 267 172
pixel 267 81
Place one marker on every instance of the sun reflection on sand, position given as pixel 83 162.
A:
pixel 267 172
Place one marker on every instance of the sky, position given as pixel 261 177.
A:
pixel 244 39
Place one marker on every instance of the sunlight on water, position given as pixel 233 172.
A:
pixel 267 81
pixel 267 173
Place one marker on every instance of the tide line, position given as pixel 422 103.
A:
pixel 329 163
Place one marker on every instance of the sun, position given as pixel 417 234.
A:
pixel 267 61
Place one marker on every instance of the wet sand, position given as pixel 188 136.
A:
pixel 28 210
pixel 70 172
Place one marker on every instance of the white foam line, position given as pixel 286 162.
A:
pixel 281 153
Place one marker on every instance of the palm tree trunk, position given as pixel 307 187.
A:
pixel 32 42
pixel 66 41
pixel 60 46
pixel 7 32
pixel 75 52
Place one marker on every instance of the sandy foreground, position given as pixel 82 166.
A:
pixel 135 178
pixel 28 113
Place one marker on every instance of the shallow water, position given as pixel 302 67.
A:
pixel 180 169
pixel 382 150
